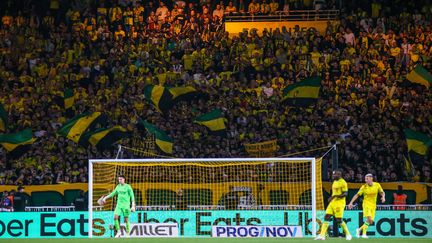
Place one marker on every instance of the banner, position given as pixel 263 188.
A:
pixel 150 230
pixel 263 149
pixel 234 28
pixel 257 231
pixel 406 224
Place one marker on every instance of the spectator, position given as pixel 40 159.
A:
pixel 254 7
pixel 242 7
pixel 231 199
pixel 349 37
pixel 231 9
pixel 286 6
pixel 376 8
pixel 175 11
pixel 161 12
pixel 399 198
pixel 180 203
pixel 80 202
pixel 406 48
pixel 319 4
pixel 218 12
pixel 264 8
pixel 7 20
pixel 180 4
pixel 20 200
pixel 6 202
pixel 120 33
pixel 274 6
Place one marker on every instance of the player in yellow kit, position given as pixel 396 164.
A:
pixel 336 206
pixel 370 192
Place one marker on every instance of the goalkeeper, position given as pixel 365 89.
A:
pixel 125 196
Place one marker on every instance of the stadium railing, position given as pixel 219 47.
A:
pixel 418 207
pixel 144 208
pixel 292 15
pixel 411 207
pixel 50 209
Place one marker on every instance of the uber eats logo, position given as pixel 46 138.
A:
pixel 51 226
pixel 47 224
pixel 400 226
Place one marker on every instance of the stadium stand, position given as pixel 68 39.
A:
pixel 107 51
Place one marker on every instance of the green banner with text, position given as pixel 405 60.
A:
pixel 400 224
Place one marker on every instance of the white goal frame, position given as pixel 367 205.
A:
pixel 93 161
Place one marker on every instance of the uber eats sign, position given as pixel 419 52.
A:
pixel 410 224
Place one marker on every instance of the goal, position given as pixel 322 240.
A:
pixel 239 184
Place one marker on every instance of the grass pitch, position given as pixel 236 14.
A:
pixel 216 240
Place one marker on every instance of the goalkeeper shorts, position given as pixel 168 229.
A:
pixel 122 211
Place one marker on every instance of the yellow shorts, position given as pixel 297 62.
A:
pixel 336 209
pixel 369 211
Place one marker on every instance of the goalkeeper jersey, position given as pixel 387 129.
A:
pixel 124 194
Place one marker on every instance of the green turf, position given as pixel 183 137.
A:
pixel 215 240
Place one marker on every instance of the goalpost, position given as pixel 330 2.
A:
pixel 208 184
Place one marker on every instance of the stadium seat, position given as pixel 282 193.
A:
pixel 47 198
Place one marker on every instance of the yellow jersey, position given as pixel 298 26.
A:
pixel 370 193
pixel 338 187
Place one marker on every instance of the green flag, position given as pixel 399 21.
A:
pixel 164 143
pixel 75 128
pixel 13 140
pixel 214 121
pixel 420 75
pixel 184 93
pixel 417 141
pixel 303 93
pixel 3 119
pixel 68 98
pixel 104 137
pixel 181 91
pixel 408 166
pixel 159 97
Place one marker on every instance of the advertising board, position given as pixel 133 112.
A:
pixel 199 223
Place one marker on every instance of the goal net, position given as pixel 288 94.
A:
pixel 208 184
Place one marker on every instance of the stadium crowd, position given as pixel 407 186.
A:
pixel 107 52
